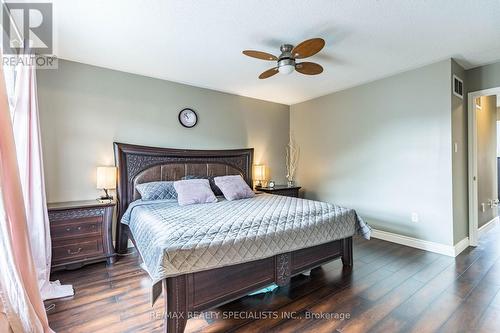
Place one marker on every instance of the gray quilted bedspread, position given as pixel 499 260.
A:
pixel 174 240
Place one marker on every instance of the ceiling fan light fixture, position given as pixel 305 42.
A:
pixel 286 69
pixel 286 66
pixel 286 60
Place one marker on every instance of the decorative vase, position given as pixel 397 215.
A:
pixel 291 158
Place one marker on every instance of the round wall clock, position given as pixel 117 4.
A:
pixel 188 118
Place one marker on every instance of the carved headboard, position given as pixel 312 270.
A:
pixel 141 164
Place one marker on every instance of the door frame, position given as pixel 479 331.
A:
pixel 472 157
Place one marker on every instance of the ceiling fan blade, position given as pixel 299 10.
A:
pixel 309 68
pixel 308 48
pixel 268 73
pixel 259 55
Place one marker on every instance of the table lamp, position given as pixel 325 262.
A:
pixel 259 174
pixel 106 180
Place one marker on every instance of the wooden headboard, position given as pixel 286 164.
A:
pixel 141 164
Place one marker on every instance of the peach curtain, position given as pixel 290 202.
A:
pixel 21 302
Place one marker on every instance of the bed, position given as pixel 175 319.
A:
pixel 203 256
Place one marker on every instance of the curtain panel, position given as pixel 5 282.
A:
pixel 21 302
pixel 26 127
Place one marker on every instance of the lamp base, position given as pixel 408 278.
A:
pixel 106 197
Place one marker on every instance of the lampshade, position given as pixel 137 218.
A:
pixel 286 69
pixel 259 172
pixel 106 177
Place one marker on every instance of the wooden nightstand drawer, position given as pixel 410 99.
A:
pixel 281 190
pixel 76 229
pixel 81 233
pixel 287 192
pixel 68 215
pixel 68 250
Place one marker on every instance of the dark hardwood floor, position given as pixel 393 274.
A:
pixel 392 288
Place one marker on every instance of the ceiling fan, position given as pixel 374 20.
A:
pixel 286 62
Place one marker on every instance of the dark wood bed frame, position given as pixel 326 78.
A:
pixel 200 291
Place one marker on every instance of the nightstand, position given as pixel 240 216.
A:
pixel 281 190
pixel 81 233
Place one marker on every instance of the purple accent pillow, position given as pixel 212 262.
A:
pixel 194 191
pixel 234 187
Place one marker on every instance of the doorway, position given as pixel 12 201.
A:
pixel 483 168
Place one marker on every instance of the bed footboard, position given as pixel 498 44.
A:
pixel 196 292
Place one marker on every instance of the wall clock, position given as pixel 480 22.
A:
pixel 188 118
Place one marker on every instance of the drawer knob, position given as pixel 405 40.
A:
pixel 68 229
pixel 79 228
pixel 75 252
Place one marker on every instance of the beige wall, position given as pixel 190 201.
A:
pixel 498 135
pixel 83 109
pixel 487 185
pixel 460 169
pixel 483 77
pixel 383 148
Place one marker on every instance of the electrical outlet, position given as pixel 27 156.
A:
pixel 414 217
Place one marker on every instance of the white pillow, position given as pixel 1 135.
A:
pixel 234 187
pixel 194 191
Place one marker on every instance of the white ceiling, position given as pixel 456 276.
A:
pixel 200 42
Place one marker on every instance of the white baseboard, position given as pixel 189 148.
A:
pixel 447 250
pixel 460 246
pixel 488 226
